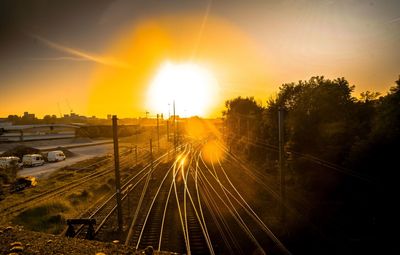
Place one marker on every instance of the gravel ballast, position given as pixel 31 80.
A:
pixel 16 240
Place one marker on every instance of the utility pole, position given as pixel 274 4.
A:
pixel 137 131
pixel 239 127
pixel 177 133
pixel 169 111
pixel 167 130
pixel 59 109
pixel 158 134
pixel 136 152
pixel 281 161
pixel 174 126
pixel 151 154
pixel 117 176
pixel 248 129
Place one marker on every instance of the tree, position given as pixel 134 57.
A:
pixel 377 150
pixel 319 115
pixel 240 113
pixel 368 96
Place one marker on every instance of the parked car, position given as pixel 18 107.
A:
pixel 32 160
pixel 22 183
pixel 54 156
pixel 10 162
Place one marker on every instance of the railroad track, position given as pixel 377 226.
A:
pixel 196 238
pixel 239 208
pixel 65 188
pixel 190 206
pixel 150 223
pixel 151 231
pixel 103 212
pixel 145 225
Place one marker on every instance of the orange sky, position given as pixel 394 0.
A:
pixel 98 66
pixel 154 41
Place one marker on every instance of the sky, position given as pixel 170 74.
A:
pixel 101 57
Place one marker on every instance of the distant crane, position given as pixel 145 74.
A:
pixel 69 107
pixel 59 109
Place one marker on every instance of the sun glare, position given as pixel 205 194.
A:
pixel 192 87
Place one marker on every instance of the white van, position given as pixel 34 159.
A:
pixel 10 162
pixel 32 160
pixel 54 156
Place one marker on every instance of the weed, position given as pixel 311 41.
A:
pixel 79 197
pixel 48 217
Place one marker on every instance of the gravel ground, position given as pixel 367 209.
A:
pixel 17 241
pixel 40 243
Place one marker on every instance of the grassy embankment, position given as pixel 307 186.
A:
pixel 49 216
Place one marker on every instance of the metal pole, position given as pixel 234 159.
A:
pixel 117 176
pixel 177 132
pixel 129 202
pixel 131 151
pixel 136 133
pixel 136 152
pixel 281 160
pixel 174 126
pixel 158 134
pixel 248 129
pixel 240 133
pixel 167 130
pixel 151 154
pixel 223 129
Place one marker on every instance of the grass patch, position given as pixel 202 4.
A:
pixel 79 197
pixel 111 182
pixel 102 189
pixel 88 164
pixel 63 176
pixel 48 217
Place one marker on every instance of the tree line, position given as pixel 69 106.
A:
pixel 322 118
pixel 326 128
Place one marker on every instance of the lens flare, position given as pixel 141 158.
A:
pixel 195 128
pixel 212 152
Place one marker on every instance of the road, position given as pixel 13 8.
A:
pixel 81 153
pixel 16 138
pixel 45 145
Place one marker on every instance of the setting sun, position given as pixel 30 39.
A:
pixel 192 87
